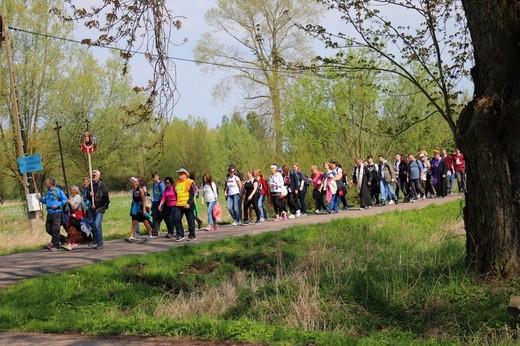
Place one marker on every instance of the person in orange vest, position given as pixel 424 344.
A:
pixel 185 190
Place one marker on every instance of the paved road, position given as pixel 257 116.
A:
pixel 31 264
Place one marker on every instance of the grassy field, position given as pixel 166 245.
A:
pixel 396 278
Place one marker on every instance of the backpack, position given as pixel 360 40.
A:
pixel 387 172
pixel 419 165
pixel 307 181
pixel 148 202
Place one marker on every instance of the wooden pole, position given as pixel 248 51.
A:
pixel 16 118
pixel 58 128
pixel 91 181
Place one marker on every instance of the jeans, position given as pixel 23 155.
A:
pixel 333 205
pixel 211 218
pixel 263 214
pixel 97 231
pixel 452 179
pixel 233 203
pixel 387 191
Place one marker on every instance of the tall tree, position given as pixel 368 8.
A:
pixel 487 132
pixel 265 46
pixel 435 54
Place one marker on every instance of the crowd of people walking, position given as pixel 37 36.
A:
pixel 285 189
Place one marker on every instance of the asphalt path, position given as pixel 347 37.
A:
pixel 27 265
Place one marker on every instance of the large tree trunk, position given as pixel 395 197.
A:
pixel 489 136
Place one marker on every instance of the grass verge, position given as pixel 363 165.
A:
pixel 392 278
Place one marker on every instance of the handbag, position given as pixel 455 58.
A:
pixel 217 212
pixel 284 191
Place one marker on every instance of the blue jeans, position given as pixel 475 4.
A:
pixel 452 179
pixel 333 205
pixel 263 214
pixel 233 203
pixel 387 190
pixel 211 218
pixel 97 231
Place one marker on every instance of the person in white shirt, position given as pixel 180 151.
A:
pixel 275 186
pixel 232 193
pixel 210 197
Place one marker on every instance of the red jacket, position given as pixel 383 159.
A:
pixel 459 163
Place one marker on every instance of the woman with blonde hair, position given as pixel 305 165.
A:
pixel 275 186
pixel 76 213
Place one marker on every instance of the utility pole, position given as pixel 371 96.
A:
pixel 16 117
pixel 58 128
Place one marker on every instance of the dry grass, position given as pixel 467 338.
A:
pixel 211 302
pixel 21 237
pixel 305 310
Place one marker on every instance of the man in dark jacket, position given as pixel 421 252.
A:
pixel 99 201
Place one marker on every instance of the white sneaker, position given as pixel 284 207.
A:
pixel 234 223
pixel 298 213
pixel 391 202
pixel 262 219
pixel 292 216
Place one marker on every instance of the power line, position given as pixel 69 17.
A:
pixel 287 69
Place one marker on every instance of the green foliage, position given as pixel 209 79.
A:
pixel 264 42
pixel 344 115
pixel 393 278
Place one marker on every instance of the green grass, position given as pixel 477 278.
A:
pixel 395 278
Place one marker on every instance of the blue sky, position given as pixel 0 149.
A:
pixel 194 87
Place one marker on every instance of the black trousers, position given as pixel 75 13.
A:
pixel 254 203
pixel 53 228
pixel 178 212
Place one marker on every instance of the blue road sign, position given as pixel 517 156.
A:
pixel 30 163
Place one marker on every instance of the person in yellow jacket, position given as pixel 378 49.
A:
pixel 185 190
